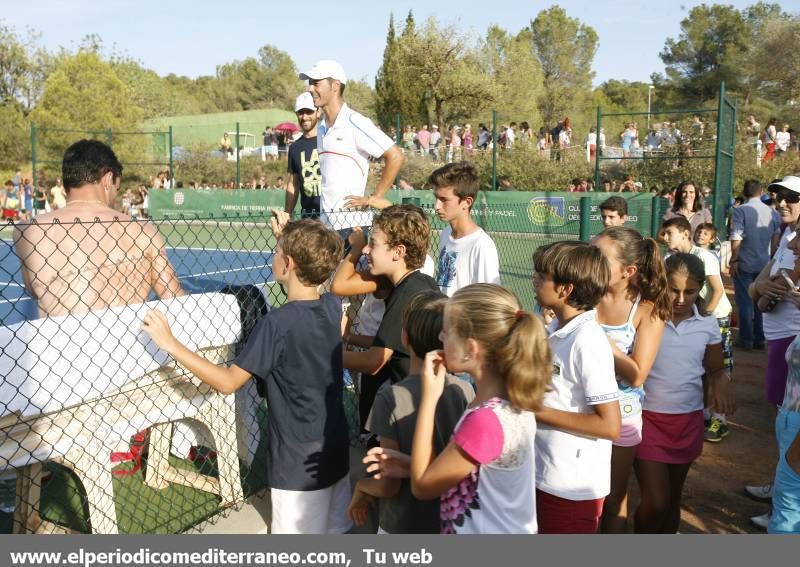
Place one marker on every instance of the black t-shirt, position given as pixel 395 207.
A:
pixel 295 351
pixel 304 162
pixel 388 335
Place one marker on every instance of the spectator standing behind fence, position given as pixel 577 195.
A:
pixel 782 140
pixel 614 211
pixel 58 195
pixel 770 137
pixel 225 145
pixel 295 355
pixel 754 225
pixel 436 139
pixel 10 201
pixel 304 172
pixel 86 255
pixel 689 204
pixel 346 140
pixel 270 148
pixel 424 140
pixel 467 254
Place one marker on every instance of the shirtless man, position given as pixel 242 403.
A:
pixel 88 256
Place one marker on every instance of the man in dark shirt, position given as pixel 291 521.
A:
pixel 304 171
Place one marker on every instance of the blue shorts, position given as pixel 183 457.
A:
pixel 786 493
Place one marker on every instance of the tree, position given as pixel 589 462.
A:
pixel 516 74
pixel 712 47
pixel 361 97
pixel 155 95
pixel 565 49
pixel 14 144
pixel 448 72
pixel 282 83
pixel 396 89
pixel 83 93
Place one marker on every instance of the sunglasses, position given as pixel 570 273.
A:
pixel 790 197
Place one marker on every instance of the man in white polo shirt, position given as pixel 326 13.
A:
pixel 346 140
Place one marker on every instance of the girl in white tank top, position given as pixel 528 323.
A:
pixel 632 313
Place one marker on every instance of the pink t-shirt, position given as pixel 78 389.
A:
pixel 498 495
pixel 424 138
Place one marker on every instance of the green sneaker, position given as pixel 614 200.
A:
pixel 717 431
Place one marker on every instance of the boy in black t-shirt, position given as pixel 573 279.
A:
pixel 398 243
pixel 295 353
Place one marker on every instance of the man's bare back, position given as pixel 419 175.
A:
pixel 87 256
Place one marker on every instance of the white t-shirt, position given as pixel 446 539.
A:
pixel 675 382
pixel 591 139
pixel 784 320
pixel 344 151
pixel 711 264
pixel 782 140
pixel 466 260
pixel 569 465
pixel 497 497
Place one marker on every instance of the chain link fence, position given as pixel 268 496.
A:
pixel 99 430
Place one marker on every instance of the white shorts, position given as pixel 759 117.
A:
pixel 312 512
pixel 271 150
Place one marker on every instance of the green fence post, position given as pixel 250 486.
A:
pixel 494 150
pixel 238 171
pixel 171 165
pixel 109 137
pixel 399 137
pixel 586 214
pixel 655 216
pixel 33 153
pixel 597 186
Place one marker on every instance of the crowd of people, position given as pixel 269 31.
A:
pixel 483 417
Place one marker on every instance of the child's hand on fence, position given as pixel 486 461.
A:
pixel 278 222
pixel 358 510
pixel 357 240
pixel 383 462
pixel 156 325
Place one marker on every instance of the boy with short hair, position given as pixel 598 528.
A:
pixel 398 243
pixel 614 211
pixel 394 416
pixel 467 255
pixel 581 414
pixel 294 353
pixel 705 236
pixel 677 234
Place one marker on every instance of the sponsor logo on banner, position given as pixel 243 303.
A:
pixel 550 211
pixel 178 198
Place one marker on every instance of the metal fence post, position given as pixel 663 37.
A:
pixel 494 150
pixel 238 164
pixel 33 153
pixel 399 137
pixel 110 137
pixel 655 216
pixel 586 215
pixel 597 153
pixel 171 165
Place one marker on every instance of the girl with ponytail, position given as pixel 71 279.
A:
pixel 485 474
pixel 632 313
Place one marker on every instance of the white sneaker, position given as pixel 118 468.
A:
pixel 761 492
pixel 761 521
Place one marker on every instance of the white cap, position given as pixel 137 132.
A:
pixel 303 101
pixel 790 182
pixel 325 69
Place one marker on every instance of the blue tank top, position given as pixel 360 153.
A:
pixel 630 401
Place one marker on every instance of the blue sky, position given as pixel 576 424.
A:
pixel 192 37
